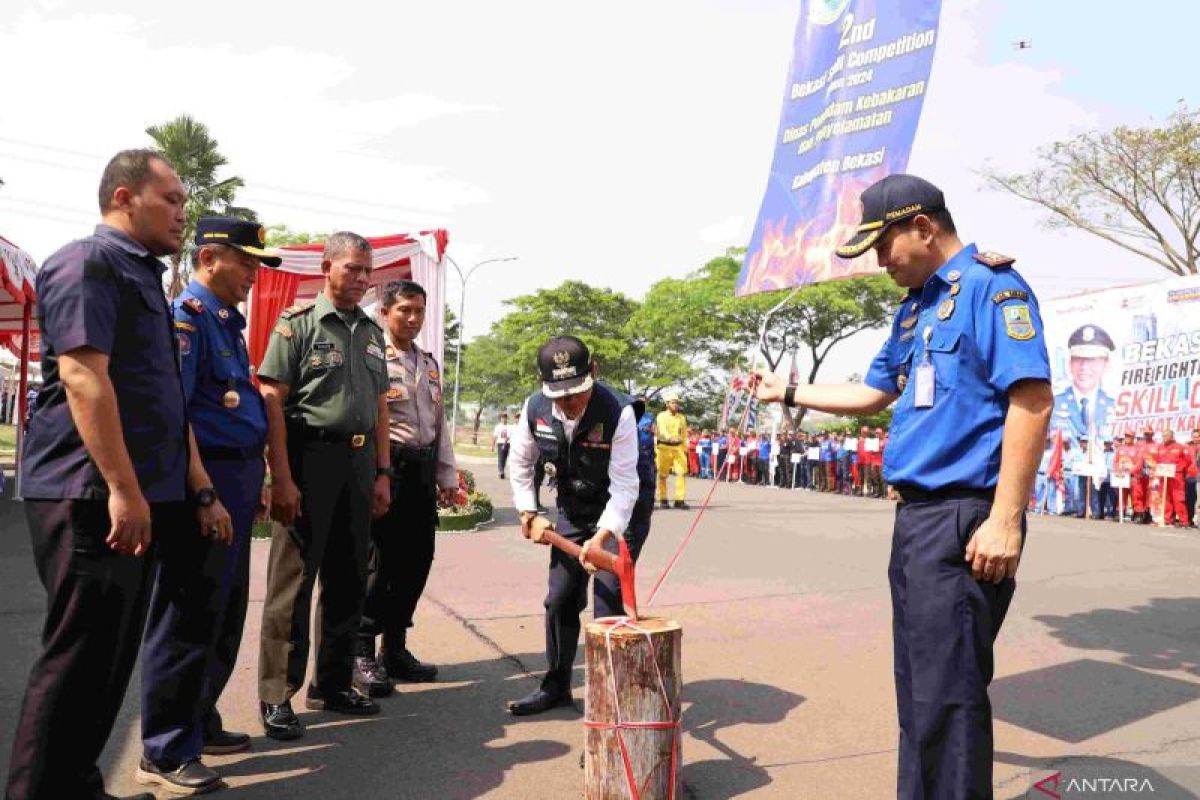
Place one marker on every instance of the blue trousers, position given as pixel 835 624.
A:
pixel 194 626
pixel 944 624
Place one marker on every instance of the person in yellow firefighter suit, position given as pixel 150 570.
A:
pixel 671 431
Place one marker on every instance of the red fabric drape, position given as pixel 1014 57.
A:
pixel 273 292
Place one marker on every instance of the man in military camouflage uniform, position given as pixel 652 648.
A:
pixel 324 380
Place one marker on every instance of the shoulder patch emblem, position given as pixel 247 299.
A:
pixel 180 325
pixel 1018 323
pixel 994 260
pixel 193 305
pixel 284 330
pixel 185 344
pixel 1009 294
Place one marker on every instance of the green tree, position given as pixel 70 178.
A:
pixel 492 376
pixel 280 235
pixel 187 145
pixel 1137 188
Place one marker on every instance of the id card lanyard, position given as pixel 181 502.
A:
pixel 925 375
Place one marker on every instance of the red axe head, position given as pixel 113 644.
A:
pixel 625 574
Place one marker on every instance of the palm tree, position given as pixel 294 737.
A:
pixel 187 145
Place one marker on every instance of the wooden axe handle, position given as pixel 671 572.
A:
pixel 601 559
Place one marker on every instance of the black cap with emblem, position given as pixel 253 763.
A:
pixel 565 366
pixel 249 237
pixel 1090 341
pixel 895 198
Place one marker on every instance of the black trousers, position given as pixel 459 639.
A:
pixel 328 539
pixel 399 557
pixel 944 624
pixel 95 608
pixel 502 457
pixel 567 595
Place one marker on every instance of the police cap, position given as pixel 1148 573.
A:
pixel 895 198
pixel 565 367
pixel 1090 341
pixel 249 237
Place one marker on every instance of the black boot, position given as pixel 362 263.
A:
pixel 404 666
pixel 370 677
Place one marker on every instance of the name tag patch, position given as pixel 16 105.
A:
pixel 375 350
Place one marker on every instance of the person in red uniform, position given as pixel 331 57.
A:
pixel 1193 472
pixel 1177 454
pixel 693 457
pixel 1152 456
pixel 1141 479
pixel 1127 461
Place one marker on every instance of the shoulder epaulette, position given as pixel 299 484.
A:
pixel 299 308
pixel 193 305
pixel 994 260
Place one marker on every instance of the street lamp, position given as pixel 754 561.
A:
pixel 462 310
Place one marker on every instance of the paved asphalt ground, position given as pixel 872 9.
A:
pixel 787 661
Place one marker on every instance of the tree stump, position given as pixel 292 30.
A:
pixel 644 666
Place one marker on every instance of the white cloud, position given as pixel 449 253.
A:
pixel 727 231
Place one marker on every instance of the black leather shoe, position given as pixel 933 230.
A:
pixel 220 742
pixel 350 702
pixel 538 702
pixel 404 666
pixel 370 677
pixel 681 504
pixel 663 503
pixel 190 777
pixel 279 721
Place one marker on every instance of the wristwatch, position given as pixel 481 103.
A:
pixel 205 497
pixel 389 471
pixel 789 396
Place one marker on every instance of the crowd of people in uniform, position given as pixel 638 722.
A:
pixel 145 462
pixel 145 466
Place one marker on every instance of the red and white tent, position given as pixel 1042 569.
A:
pixel 18 328
pixel 416 257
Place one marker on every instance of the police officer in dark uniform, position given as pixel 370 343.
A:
pixel 324 381
pixel 966 361
pixel 402 541
pixel 105 472
pixel 605 488
pixel 198 604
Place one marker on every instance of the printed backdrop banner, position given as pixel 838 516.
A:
pixel 855 89
pixel 1126 359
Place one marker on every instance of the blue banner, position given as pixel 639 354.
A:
pixel 855 89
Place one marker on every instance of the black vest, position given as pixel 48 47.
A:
pixel 581 465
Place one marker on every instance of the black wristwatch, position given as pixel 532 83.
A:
pixel 205 497
pixel 391 473
pixel 789 396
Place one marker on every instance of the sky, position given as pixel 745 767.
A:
pixel 616 143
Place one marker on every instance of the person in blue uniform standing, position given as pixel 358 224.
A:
pixel 198 604
pixel 966 365
pixel 1082 409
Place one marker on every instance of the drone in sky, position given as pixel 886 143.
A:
pixel 1023 44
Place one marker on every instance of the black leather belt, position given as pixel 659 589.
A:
pixel 911 494
pixel 414 455
pixel 232 453
pixel 322 435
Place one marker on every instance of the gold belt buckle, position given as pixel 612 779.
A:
pixel 358 440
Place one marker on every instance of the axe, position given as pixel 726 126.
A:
pixel 541 530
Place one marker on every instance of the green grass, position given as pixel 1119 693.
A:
pixel 8 438
pixel 465 449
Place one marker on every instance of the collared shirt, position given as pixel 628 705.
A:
pixel 989 339
pixel 213 361
pixel 622 467
pixel 414 399
pixel 501 433
pixel 335 375
pixel 105 292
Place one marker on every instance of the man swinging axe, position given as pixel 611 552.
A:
pixel 588 431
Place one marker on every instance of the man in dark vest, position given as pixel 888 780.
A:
pixel 588 431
